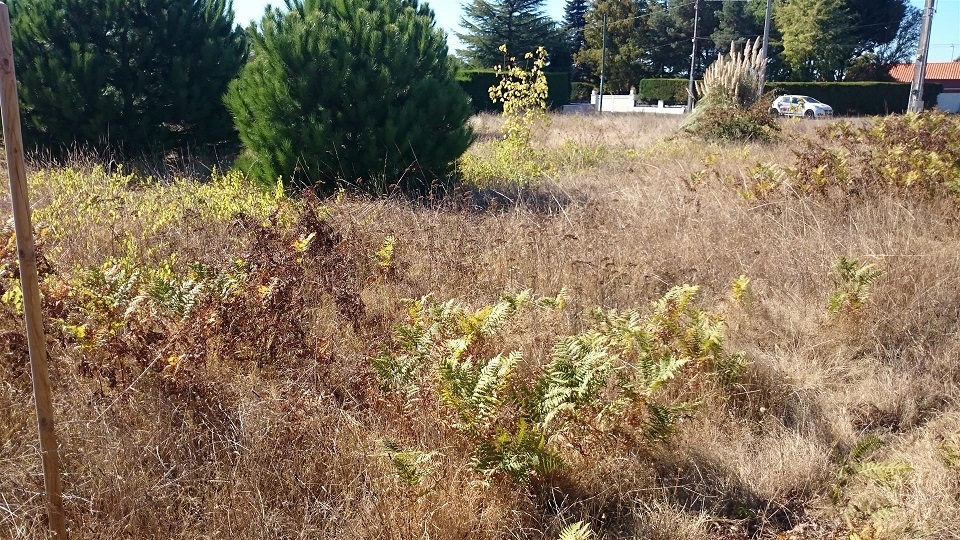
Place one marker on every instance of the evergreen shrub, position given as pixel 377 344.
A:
pixel 350 92
pixel 580 92
pixel 136 75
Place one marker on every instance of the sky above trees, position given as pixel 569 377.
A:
pixel 946 21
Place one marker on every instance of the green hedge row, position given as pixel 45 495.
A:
pixel 580 92
pixel 671 91
pixel 477 85
pixel 846 98
pixel 859 98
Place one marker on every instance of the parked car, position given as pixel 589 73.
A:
pixel 804 106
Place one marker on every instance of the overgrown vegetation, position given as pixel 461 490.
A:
pixel 522 90
pixel 915 155
pixel 664 338
pixel 730 105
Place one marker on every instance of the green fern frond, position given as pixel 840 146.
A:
pixel 407 464
pixel 661 421
pixel 852 284
pixel 654 374
pixel 554 302
pixel 863 448
pixel 576 531
pixel 730 368
pixel 519 454
pixel 475 394
pixel 884 473
pixel 577 372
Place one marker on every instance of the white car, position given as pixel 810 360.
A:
pixel 804 106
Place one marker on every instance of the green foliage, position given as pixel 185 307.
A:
pixel 730 106
pixel 521 25
pixel 611 375
pixel 574 21
pixel 627 38
pixel 866 508
pixel 671 91
pixel 477 84
pixel 816 37
pixel 858 98
pixel 852 282
pixel 523 93
pixel 580 92
pixel 136 75
pixel 409 465
pixel 350 92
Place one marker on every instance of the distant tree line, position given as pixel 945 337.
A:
pixel 811 40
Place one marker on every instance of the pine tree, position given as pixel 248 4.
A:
pixel 521 25
pixel 736 23
pixel 350 92
pixel 137 75
pixel 627 39
pixel 574 19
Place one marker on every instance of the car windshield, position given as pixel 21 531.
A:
pixel 809 99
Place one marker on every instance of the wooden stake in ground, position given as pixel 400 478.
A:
pixel 10 108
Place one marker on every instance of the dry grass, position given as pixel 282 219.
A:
pixel 289 446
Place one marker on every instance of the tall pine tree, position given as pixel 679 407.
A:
pixel 138 75
pixel 574 20
pixel 521 25
pixel 628 40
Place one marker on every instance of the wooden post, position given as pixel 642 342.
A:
pixel 36 341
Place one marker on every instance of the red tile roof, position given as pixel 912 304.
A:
pixel 936 71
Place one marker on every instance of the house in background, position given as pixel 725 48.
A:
pixel 943 73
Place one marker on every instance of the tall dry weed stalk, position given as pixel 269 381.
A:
pixel 735 79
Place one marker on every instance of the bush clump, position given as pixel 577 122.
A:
pixel 731 107
pixel 350 92
pixel 727 122
pixel 135 75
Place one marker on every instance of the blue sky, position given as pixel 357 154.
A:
pixel 944 43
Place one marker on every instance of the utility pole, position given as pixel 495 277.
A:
pixel 693 57
pixel 603 62
pixel 766 45
pixel 920 66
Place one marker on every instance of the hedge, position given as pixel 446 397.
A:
pixel 846 98
pixel 671 91
pixel 580 92
pixel 477 83
pixel 859 98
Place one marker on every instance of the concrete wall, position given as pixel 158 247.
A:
pixel 627 104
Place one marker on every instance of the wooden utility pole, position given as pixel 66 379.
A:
pixel 603 62
pixel 26 252
pixel 693 56
pixel 920 66
pixel 766 45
